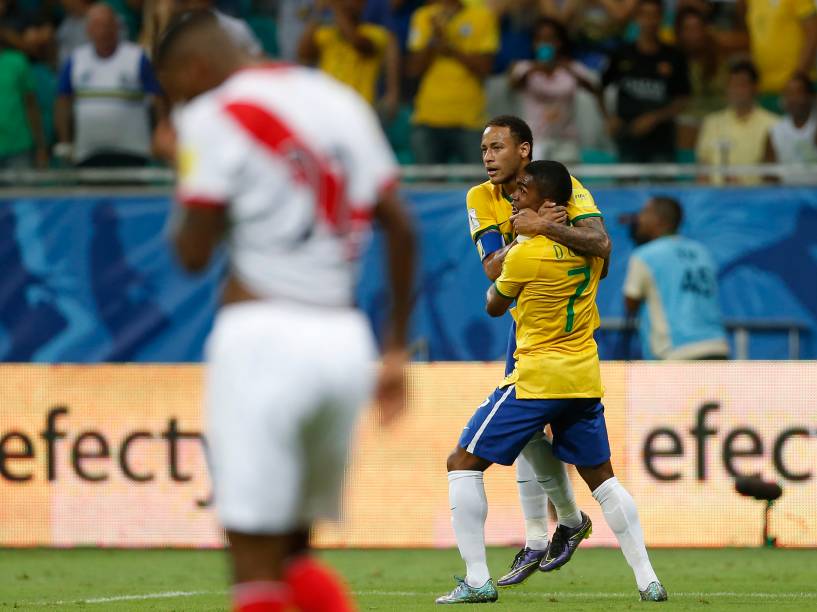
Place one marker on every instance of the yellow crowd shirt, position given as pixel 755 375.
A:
pixel 340 59
pixel 556 315
pixel 489 213
pixel 777 38
pixel 727 139
pixel 450 95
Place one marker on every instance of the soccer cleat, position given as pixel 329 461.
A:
pixel 524 564
pixel 464 593
pixel 564 543
pixel 655 591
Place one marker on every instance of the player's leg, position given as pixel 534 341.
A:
pixel 532 499
pixel 261 399
pixel 580 438
pixel 346 367
pixel 469 509
pixel 551 475
pixel 258 572
pixel 244 458
pixel 496 433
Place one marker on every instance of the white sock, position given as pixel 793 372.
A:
pixel 622 517
pixel 552 476
pixel 534 505
pixel 469 508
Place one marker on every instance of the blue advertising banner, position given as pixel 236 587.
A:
pixel 92 279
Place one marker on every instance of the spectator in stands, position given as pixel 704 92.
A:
pixel 672 285
pixel 72 32
pixel 793 139
pixel 783 39
pixel 106 91
pixel 653 86
pixel 21 133
pixel 355 53
pixel 29 31
pixel 452 49
pixel 739 134
pixel 596 26
pixel 707 73
pixel 548 86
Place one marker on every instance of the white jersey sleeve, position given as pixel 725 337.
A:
pixel 209 156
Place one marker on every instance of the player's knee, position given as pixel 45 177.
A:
pixel 460 459
pixel 454 461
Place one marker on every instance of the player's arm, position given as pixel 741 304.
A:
pixel 517 269
pixel 497 304
pixel 206 179
pixel 492 264
pixel 197 233
pixel 400 249
pixel 635 285
pixel 587 236
pixel 485 233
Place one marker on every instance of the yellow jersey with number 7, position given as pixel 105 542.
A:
pixel 556 315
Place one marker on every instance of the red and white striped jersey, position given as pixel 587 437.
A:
pixel 300 161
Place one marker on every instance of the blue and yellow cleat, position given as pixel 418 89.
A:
pixel 525 563
pixel 464 593
pixel 564 543
pixel 655 591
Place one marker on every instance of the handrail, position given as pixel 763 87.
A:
pixel 740 328
pixel 457 172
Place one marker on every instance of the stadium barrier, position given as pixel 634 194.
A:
pixel 90 277
pixel 112 455
pixel 465 173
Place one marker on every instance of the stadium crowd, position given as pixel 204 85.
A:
pixel 598 80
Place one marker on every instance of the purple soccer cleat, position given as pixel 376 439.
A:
pixel 564 543
pixel 524 564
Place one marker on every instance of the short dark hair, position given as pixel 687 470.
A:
pixel 518 128
pixel 560 30
pixel 744 67
pixel 689 11
pixel 177 29
pixel 552 180
pixel 804 80
pixel 670 211
pixel 656 3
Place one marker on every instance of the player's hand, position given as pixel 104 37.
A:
pixel 164 142
pixel 551 212
pixel 390 392
pixel 526 223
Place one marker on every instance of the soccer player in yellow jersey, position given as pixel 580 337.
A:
pixel 506 149
pixel 556 381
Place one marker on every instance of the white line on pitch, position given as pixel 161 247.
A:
pixel 554 595
pixel 115 598
pixel 591 595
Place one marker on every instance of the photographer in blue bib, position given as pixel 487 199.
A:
pixel 672 286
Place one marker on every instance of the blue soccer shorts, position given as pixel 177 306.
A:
pixel 503 425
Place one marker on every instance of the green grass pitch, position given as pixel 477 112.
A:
pixel 408 580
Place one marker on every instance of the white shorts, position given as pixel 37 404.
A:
pixel 284 386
